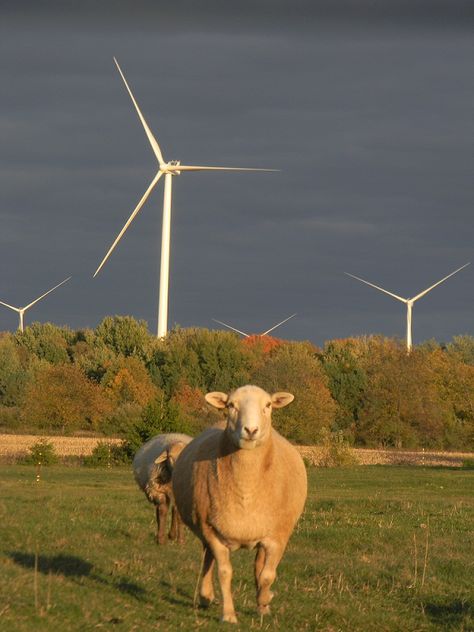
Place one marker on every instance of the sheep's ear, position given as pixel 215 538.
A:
pixel 174 451
pixel 216 399
pixel 282 399
pixel 161 459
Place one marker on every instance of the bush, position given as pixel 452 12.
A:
pixel 336 451
pixel 106 454
pixel 42 452
pixel 159 416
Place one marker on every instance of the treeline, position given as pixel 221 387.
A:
pixel 120 380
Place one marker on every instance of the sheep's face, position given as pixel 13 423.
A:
pixel 249 413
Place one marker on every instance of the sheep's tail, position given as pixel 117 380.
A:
pixel 196 590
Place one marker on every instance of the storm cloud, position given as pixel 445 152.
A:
pixel 365 107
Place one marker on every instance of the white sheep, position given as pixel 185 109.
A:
pixel 152 467
pixel 241 485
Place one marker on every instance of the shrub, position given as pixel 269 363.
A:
pixel 336 451
pixel 106 454
pixel 159 416
pixel 42 452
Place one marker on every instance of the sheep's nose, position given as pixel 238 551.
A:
pixel 251 432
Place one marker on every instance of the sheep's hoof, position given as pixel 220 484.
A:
pixel 229 618
pixel 205 602
pixel 263 609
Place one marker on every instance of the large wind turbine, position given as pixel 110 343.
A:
pixel 409 302
pixel 264 333
pixel 21 310
pixel 168 169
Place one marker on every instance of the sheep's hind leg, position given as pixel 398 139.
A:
pixel 268 561
pixel 161 515
pixel 206 594
pixel 224 571
pixel 176 528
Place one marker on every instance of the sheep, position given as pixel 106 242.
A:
pixel 240 484
pixel 152 467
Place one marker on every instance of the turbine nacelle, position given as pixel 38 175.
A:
pixel 171 167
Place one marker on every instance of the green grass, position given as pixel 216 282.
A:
pixel 349 567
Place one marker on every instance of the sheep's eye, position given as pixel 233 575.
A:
pixel 269 405
pixel 230 405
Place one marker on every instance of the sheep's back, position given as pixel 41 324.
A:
pixel 145 457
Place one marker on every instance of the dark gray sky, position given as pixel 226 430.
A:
pixel 366 109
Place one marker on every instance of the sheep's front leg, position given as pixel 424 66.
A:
pixel 224 571
pixel 161 515
pixel 206 594
pixel 259 562
pixel 266 563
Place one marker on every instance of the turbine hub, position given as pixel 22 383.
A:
pixel 170 167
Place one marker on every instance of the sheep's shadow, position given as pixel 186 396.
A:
pixel 66 565
pixel 179 598
pixel 74 567
pixel 449 613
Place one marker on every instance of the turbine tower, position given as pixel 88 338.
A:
pixel 21 310
pixel 168 169
pixel 264 333
pixel 409 302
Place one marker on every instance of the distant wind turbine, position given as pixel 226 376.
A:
pixel 168 169
pixel 21 310
pixel 408 301
pixel 265 333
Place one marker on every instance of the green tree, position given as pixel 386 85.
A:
pixel 13 375
pixel 204 359
pixel 463 346
pixel 294 367
pixel 125 335
pixel 46 341
pixel 347 381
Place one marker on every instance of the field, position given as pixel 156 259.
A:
pixel 14 446
pixel 379 548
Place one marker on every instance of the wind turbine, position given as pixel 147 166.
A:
pixel 265 333
pixel 409 302
pixel 21 310
pixel 168 169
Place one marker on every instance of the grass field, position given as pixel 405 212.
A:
pixel 379 548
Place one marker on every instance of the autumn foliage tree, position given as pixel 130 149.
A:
pixel 295 368
pixel 62 398
pixel 119 379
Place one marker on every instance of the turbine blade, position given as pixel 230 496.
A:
pixel 45 294
pixel 16 309
pixel 203 168
pixel 399 298
pixel 130 219
pixel 151 138
pixel 415 298
pixel 230 327
pixel 275 326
